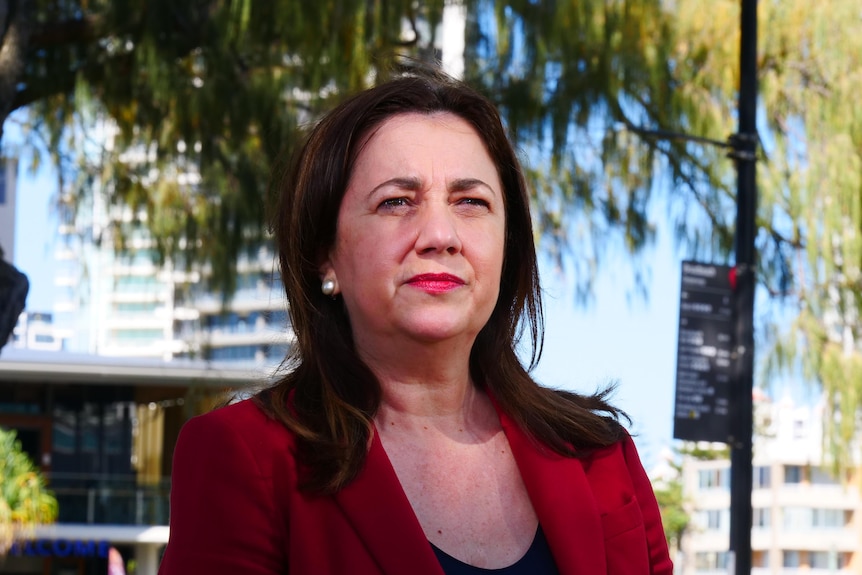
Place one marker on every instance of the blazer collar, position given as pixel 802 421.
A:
pixel 563 500
pixel 377 507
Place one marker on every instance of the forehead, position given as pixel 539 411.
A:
pixel 403 128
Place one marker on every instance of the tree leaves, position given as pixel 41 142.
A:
pixel 24 498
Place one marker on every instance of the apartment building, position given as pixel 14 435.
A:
pixel 805 519
pixel 35 330
pixel 115 299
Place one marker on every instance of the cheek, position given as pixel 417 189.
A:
pixel 362 262
pixel 488 252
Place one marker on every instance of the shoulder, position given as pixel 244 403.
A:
pixel 622 452
pixel 616 467
pixel 232 483
pixel 617 477
pixel 239 428
pixel 244 416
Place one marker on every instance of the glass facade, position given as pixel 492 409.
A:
pixel 86 439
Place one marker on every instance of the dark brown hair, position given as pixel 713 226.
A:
pixel 328 396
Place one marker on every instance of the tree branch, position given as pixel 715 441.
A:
pixel 15 41
pixel 77 31
pixel 64 82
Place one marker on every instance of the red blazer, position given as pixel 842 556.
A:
pixel 236 509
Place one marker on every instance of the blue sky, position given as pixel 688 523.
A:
pixel 619 338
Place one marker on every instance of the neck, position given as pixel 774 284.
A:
pixel 426 385
pixel 421 414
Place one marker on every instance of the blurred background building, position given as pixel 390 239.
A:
pixel 805 519
pixel 102 432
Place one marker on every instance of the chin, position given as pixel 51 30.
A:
pixel 443 332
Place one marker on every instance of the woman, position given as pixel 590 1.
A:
pixel 407 437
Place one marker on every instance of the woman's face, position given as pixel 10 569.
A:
pixel 419 242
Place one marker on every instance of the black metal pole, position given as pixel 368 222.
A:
pixel 746 204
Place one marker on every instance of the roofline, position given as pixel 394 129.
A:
pixel 151 534
pixel 62 368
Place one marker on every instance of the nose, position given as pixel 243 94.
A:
pixel 438 229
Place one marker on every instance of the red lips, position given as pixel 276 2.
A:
pixel 436 283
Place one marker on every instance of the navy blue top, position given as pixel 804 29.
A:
pixel 536 561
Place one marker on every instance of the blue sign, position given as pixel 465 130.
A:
pixel 61 548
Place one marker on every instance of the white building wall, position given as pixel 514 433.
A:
pixel 805 520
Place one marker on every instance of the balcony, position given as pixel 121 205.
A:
pixel 109 499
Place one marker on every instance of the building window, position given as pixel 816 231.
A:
pixel 827 560
pixel 820 476
pixel 714 478
pixel 711 561
pixel 234 353
pixel 713 519
pixel 139 335
pixel 828 518
pixel 762 477
pixel 717 519
pixel 275 352
pixel 806 518
pixel 761 517
pixel 127 284
pixel 128 308
pixel 760 559
pixel 793 474
pixel 791 558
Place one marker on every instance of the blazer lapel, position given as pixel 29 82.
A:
pixel 564 502
pixel 378 509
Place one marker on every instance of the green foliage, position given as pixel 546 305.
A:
pixel 811 200
pixel 670 495
pixel 571 79
pixel 703 451
pixel 24 498
pixel 220 88
pixel 669 490
pixel 591 73
pixel 195 101
pixel 674 517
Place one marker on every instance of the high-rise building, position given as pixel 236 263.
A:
pixel 115 299
pixel 805 519
pixel 35 330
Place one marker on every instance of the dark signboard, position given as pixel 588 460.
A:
pixel 704 362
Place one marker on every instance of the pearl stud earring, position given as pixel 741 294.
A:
pixel 328 287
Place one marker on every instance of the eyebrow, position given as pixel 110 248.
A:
pixel 413 184
pixel 463 184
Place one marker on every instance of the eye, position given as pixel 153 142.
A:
pixel 474 202
pixel 393 203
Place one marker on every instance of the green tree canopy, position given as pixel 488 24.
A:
pixel 809 182
pixel 591 74
pixel 24 498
